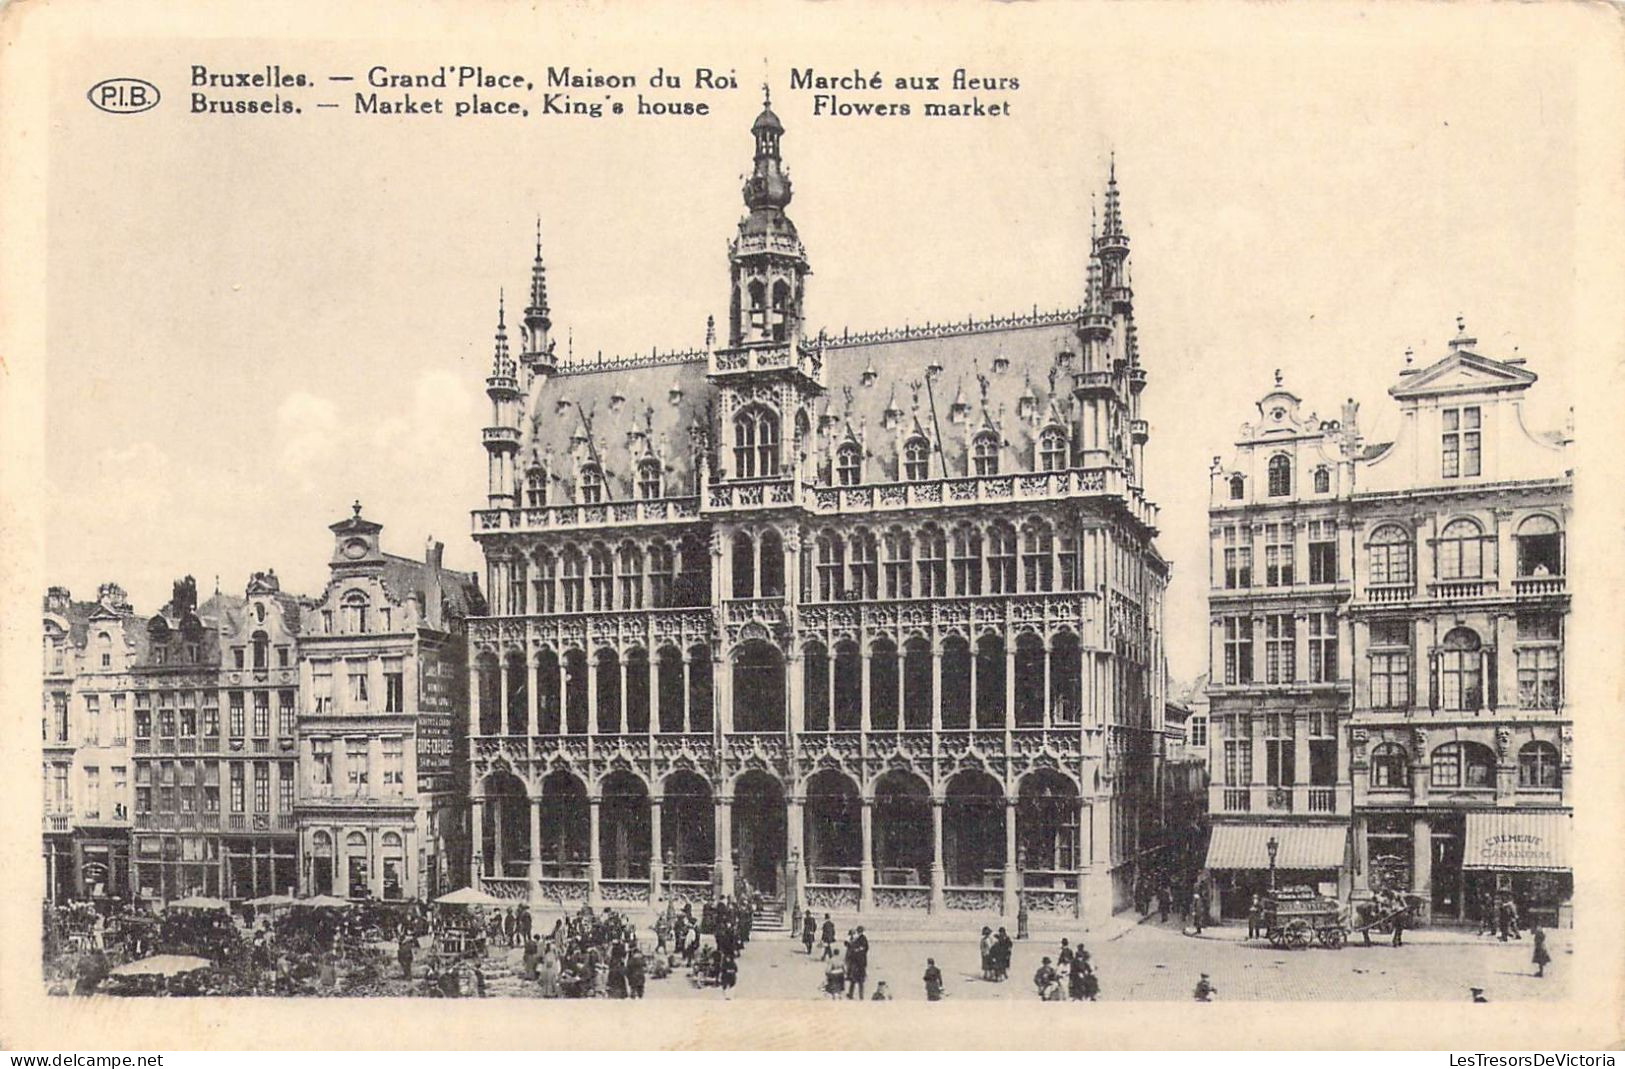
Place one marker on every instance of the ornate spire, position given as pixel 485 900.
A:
pixel 502 365
pixel 536 315
pixel 1114 214
pixel 768 185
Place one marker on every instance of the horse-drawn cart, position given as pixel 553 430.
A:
pixel 1296 916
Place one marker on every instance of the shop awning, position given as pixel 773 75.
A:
pixel 1517 840
pixel 1298 846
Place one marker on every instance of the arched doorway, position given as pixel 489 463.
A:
pixel 623 827
pixel 759 832
pixel 688 828
pixel 565 824
pixel 902 830
pixel 505 832
pixel 834 829
pixel 973 830
pixel 1047 830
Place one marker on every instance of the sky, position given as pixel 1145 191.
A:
pixel 254 322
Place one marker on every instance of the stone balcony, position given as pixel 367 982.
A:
pixel 1298 800
pixel 596 516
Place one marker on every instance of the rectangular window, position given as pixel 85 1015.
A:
pixel 262 787
pixel 1461 447
pixel 1323 647
pixel 236 727
pixel 166 715
pixel 93 792
pixel 1539 659
pixel 394 770
pixel 237 804
pixel 1280 648
pixel 1238 559
pixel 1001 562
pixel 358 685
pixel 1238 650
pixel 1238 762
pixel 1197 735
pixel 211 787
pixel 1391 679
pixel 1279 760
pixel 1278 554
pixel 262 714
pixel 394 685
pixel 321 687
pixel 93 720
pixel 284 656
pixel 121 722
pixel 321 766
pixel 188 787
pixel 355 764
pixel 284 787
pixel 285 714
pixel 239 658
pixel 1323 551
pixel 121 784
pixel 188 714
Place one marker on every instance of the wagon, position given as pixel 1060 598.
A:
pixel 1296 916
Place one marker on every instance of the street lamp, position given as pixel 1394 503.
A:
pixel 1274 847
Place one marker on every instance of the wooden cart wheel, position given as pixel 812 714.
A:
pixel 1277 938
pixel 1297 935
pixel 1333 938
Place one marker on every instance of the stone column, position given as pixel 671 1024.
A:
pixel 502 693
pixel 866 870
pixel 657 873
pixel 795 843
pixel 688 716
pixel 1362 855
pixel 621 722
pixel 1012 893
pixel 500 809
pixel 1506 561
pixel 592 696
pixel 1422 864
pixel 1009 688
pixel 533 671
pixel 535 840
pixel 722 696
pixel 477 855
pixel 1049 713
pixel 936 688
pixel 595 863
pixel 476 678
pixel 724 840
pixel 864 723
pixel 938 901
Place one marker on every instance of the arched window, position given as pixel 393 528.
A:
pixel 1052 450
pixel 355 612
pixel 1037 564
pixel 262 651
pixel 1461 550
pixel 1389 554
pixel 771 552
pixel 865 571
pixel 573 583
pixel 394 857
pixel 1540 547
pixel 592 484
pixel 631 576
pixel 603 590
pixel 358 867
pixel 899 564
pixel 104 651
pixel 756 443
pixel 967 560
pixel 849 464
pixel 781 309
pixel 916 460
pixel 1280 473
pixel 1461 671
pixel 1538 767
pixel 985 453
pixel 1463 764
pixel 758 309
pixel 1238 488
pixel 831 567
pixel 1390 766
pixel 1323 480
pixel 744 565
pixel 535 488
pixel 649 486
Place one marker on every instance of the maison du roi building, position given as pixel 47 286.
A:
pixel 1388 633
pixel 869 623
pixel 264 743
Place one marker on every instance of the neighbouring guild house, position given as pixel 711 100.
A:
pixel 383 667
pixel 866 623
pixel 1389 624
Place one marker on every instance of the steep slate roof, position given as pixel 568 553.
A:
pixel 459 591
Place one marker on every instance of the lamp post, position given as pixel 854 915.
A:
pixel 1273 846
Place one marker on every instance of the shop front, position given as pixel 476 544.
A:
pixel 1525 855
pixel 1243 860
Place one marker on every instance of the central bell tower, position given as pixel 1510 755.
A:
pixel 768 265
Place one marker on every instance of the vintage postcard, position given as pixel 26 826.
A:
pixel 634 515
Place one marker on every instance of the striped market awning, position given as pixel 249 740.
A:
pixel 1298 846
pixel 1518 840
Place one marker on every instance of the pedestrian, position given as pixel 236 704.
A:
pixel 1542 956
pixel 828 934
pixel 1091 981
pixel 1021 916
pixel 727 974
pixel 635 974
pixel 1486 914
pixel 1255 916
pixel 1163 902
pixel 1002 948
pixel 882 993
pixel 933 981
pixel 1399 920
pixel 857 963
pixel 809 932
pixel 548 975
pixel 1196 911
pixel 532 954
pixel 616 985
pixel 1063 960
pixel 1512 917
pixel 1048 982
pixel 1205 989
pixel 405 952
pixel 524 925
pixel 987 953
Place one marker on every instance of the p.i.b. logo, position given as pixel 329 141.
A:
pixel 124 96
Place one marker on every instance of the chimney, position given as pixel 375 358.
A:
pixel 111 596
pixel 434 554
pixel 57 599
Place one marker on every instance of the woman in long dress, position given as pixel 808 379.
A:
pixel 548 974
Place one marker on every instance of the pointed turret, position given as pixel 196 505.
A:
pixel 538 354
pixel 502 436
pixel 769 264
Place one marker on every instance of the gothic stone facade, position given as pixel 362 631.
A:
pixel 868 622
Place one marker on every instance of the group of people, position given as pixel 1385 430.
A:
pixel 996 949
pixel 846 971
pixel 1164 893
pixel 1069 977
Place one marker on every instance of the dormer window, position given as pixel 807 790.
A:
pixel 649 480
pixel 1238 488
pixel 985 454
pixel 1052 450
pixel 535 488
pixel 916 460
pixel 1323 481
pixel 355 612
pixel 592 484
pixel 756 444
pixel 849 464
pixel 1280 476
